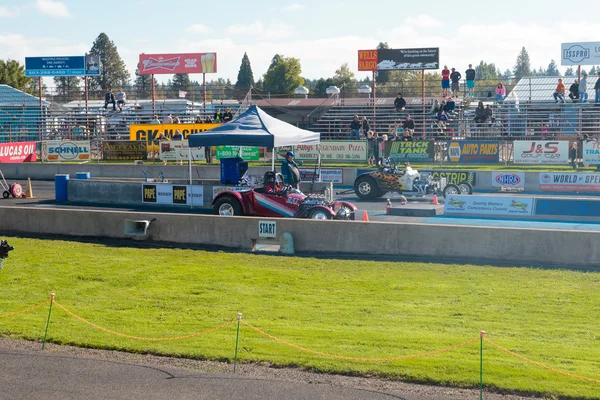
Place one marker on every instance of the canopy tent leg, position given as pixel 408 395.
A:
pixel 273 159
pixel 190 164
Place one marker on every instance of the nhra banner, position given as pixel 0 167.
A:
pixel 557 182
pixel 401 151
pixel 474 151
pixel 116 150
pixel 332 151
pixel 181 63
pixel 164 193
pixel 178 150
pixel 591 152
pixel 17 152
pixel 59 151
pixel 541 152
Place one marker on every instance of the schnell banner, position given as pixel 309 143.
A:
pixel 57 150
pixel 474 151
pixel 417 150
pixel 116 150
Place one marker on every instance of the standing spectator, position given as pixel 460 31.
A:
pixel 109 98
pixel 583 96
pixel 365 126
pixel 121 99
pixel 455 77
pixel 574 91
pixel 597 89
pixel 176 120
pixel 445 81
pixel 400 103
pixel 198 119
pixel 500 92
pixel 371 143
pixel 218 117
pixel 470 76
pixel 155 120
pixel 573 155
pixel 168 119
pixel 559 93
pixel 355 128
pixel 228 116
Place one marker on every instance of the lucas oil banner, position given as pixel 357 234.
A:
pixel 413 151
pixel 17 152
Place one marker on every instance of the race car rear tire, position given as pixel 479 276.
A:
pixel 319 214
pixel 366 188
pixel 451 189
pixel 465 187
pixel 228 206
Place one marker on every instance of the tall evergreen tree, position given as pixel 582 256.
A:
pixel 12 73
pixel 283 75
pixel 67 88
pixel 142 85
pixel 552 69
pixel 523 65
pixel 344 78
pixel 245 78
pixel 113 73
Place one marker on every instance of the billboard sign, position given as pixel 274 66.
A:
pixel 62 66
pixel 17 152
pixel 414 151
pixel 474 151
pixel 580 53
pixel 541 152
pixel 169 194
pixel 591 152
pixel 327 175
pixel 120 150
pixel 149 133
pixel 249 153
pixel 408 59
pixel 566 182
pixel 367 60
pixel 180 63
pixel 568 207
pixel 489 205
pixel 178 150
pixel 57 150
pixel 331 151
pixel 508 179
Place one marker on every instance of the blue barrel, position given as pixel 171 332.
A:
pixel 82 175
pixel 60 187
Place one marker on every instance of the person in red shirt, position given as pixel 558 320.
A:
pixel 445 80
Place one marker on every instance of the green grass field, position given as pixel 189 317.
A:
pixel 368 309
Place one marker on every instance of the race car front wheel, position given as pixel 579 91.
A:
pixel 319 214
pixel 366 187
pixel 228 206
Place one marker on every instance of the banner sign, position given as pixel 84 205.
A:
pixel 150 132
pixel 180 63
pixel 17 152
pixel 474 151
pixel 57 150
pixel 178 150
pixel 62 66
pixel 414 151
pixel 333 151
pixel 578 208
pixel 557 182
pixel 591 152
pixel 220 189
pixel 249 153
pixel 171 194
pixel 408 59
pixel 508 179
pixel 116 150
pixel 582 53
pixel 367 60
pixel 541 152
pixel 327 175
pixel 489 205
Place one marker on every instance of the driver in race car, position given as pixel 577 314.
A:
pixel 289 170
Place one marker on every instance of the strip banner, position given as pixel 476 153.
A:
pixel 474 151
pixel 60 151
pixel 489 205
pixel 561 182
pixel 17 152
pixel 591 152
pixel 541 152
pixel 178 150
pixel 327 175
pixel 410 151
pixel 116 150
pixel 170 194
pixel 454 177
pixel 508 179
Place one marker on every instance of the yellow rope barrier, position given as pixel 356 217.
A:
pixel 540 364
pixel 138 337
pixel 26 310
pixel 388 359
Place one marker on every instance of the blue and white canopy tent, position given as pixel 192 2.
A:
pixel 255 128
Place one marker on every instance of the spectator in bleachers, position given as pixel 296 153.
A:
pixel 489 114
pixel 435 107
pixel 470 76
pixel 155 120
pixel 450 106
pixel 400 103
pixel 168 119
pixel 445 81
pixel 559 93
pixel 218 117
pixel 583 96
pixel 574 91
pixel 228 116
pixel 545 132
pixel 177 135
pixel 455 77
pixel 176 120
pixel 109 98
pixel 355 128
pixel 480 114
pixel 597 89
pixel 207 120
pixel 198 119
pixel 500 92
pixel 121 99
pixel 442 119
pixel 366 127
pixel 408 126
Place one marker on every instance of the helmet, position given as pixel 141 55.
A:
pixel 289 154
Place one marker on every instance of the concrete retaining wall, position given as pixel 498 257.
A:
pixel 551 247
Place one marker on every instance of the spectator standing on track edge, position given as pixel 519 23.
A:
pixel 289 170
pixel 470 76
pixel 455 77
pixel 445 81
pixel 573 155
pixel 355 128
pixel 400 103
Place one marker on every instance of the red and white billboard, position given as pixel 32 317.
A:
pixel 181 63
pixel 17 152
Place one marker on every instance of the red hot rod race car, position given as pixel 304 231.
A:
pixel 275 199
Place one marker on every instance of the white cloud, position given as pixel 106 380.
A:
pixel 274 30
pixel 6 12
pixel 52 8
pixel 294 7
pixel 423 21
pixel 198 28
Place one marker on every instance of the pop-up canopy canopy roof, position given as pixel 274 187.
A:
pixel 254 128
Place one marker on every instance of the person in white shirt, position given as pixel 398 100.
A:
pixel 121 99
pixel 155 120
pixel 168 119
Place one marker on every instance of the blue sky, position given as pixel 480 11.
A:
pixel 322 34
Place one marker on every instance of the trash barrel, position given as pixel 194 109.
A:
pixel 82 175
pixel 60 187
